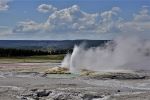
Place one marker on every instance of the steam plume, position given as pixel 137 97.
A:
pixel 123 53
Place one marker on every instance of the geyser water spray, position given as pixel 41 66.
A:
pixel 124 53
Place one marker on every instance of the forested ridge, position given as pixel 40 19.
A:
pixel 11 52
pixel 8 52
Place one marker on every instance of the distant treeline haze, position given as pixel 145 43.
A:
pixel 9 52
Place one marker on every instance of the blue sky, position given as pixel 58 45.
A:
pixel 73 19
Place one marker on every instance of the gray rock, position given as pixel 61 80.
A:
pixel 35 94
pixel 42 93
pixel 23 98
pixel 29 94
pixel 33 90
pixel 64 96
pixel 90 96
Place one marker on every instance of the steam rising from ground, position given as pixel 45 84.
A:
pixel 122 54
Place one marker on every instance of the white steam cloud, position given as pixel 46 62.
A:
pixel 123 53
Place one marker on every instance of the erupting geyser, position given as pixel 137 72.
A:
pixel 123 53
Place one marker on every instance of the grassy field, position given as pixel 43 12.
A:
pixel 47 58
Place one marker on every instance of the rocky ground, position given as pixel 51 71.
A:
pixel 31 83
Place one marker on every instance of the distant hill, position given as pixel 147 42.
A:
pixel 48 44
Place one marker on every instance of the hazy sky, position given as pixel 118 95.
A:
pixel 73 19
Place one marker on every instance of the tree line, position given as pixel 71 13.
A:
pixel 12 52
